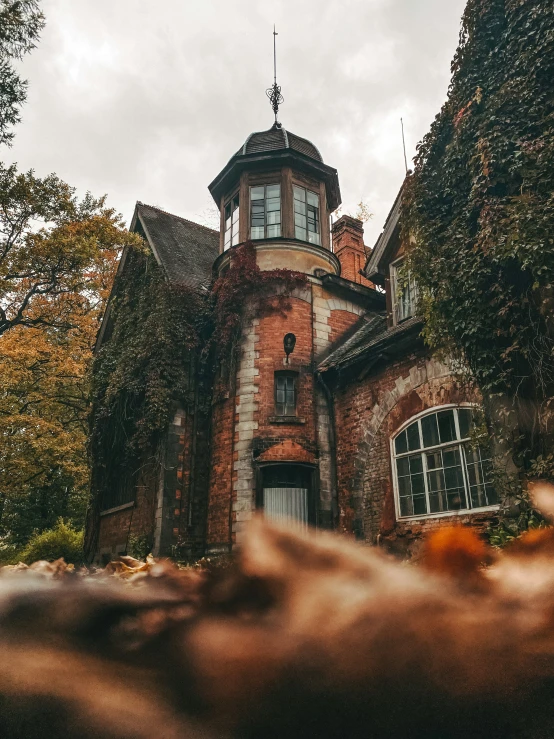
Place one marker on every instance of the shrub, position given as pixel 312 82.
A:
pixel 61 541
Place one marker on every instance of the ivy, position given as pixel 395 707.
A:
pixel 154 335
pixel 478 215
pixel 158 335
pixel 244 282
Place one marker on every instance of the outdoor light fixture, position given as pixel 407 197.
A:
pixel 289 343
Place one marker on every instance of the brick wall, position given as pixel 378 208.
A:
pixel 245 426
pixel 368 413
pixel 348 245
pixel 136 520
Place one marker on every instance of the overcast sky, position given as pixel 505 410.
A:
pixel 148 100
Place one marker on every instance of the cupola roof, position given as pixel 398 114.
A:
pixel 274 148
pixel 275 139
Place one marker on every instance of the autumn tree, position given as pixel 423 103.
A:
pixel 479 211
pixel 21 22
pixel 58 255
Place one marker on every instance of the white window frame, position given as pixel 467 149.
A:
pixel 423 451
pixel 315 236
pixel 396 298
pixel 231 232
pixel 267 226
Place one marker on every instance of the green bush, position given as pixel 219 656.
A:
pixel 61 541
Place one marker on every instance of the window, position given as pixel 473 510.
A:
pixel 437 469
pixel 285 394
pixel 231 223
pixel 404 292
pixel 306 215
pixel 265 211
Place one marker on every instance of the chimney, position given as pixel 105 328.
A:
pixel 348 245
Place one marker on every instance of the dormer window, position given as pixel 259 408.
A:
pixel 306 215
pixel 404 292
pixel 265 212
pixel 231 223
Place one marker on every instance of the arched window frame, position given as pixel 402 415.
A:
pixel 461 443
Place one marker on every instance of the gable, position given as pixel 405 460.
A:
pixel 185 250
pixel 387 246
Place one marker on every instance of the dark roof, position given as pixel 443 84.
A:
pixel 276 139
pixel 184 249
pixel 376 264
pixel 274 149
pixel 373 335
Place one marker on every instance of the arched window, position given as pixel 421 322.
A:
pixel 437 470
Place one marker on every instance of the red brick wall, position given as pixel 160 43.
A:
pixel 341 322
pixel 367 414
pixel 271 330
pixel 256 435
pixel 138 520
pixel 348 245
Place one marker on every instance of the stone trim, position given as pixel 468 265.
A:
pixel 244 487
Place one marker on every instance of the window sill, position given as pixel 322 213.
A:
pixel 287 419
pixel 446 514
pixel 123 507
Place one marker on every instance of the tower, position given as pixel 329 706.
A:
pixel 273 436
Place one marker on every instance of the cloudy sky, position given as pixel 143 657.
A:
pixel 148 100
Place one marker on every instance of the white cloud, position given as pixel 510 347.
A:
pixel 149 100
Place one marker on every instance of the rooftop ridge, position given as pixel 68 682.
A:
pixel 186 220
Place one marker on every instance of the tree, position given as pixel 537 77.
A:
pixel 21 22
pixel 53 249
pixel 479 218
pixel 58 257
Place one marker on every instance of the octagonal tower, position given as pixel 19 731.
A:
pixel 273 427
pixel 277 192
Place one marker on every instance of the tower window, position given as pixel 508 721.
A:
pixel 265 211
pixel 404 292
pixel 437 467
pixel 306 215
pixel 231 223
pixel 285 393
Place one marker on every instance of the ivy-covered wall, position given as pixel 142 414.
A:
pixel 151 391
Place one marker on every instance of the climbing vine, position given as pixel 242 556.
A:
pixel 152 339
pixel 160 345
pixel 478 215
pixel 246 288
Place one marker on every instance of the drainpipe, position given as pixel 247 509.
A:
pixel 332 444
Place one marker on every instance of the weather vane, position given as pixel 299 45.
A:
pixel 274 92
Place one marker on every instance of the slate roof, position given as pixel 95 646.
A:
pixel 185 250
pixel 276 139
pixel 373 335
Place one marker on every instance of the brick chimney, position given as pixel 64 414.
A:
pixel 348 245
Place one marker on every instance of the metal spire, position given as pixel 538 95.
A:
pixel 274 92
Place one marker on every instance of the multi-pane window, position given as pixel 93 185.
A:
pixel 306 215
pixel 404 292
pixel 438 469
pixel 285 394
pixel 231 223
pixel 265 211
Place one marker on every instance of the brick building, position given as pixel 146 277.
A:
pixel 356 429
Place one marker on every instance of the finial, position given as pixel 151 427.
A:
pixel 274 92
